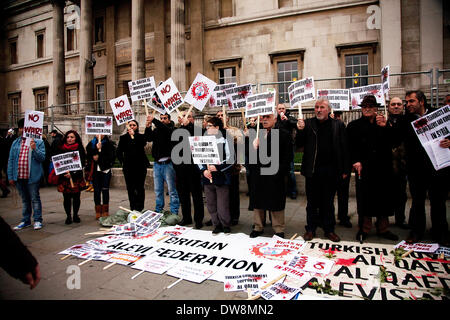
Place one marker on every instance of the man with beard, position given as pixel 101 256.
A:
pixel 325 158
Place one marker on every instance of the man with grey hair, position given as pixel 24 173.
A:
pixel 325 159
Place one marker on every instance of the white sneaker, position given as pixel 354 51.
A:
pixel 37 225
pixel 22 225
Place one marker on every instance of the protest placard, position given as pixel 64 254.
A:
pixel 385 81
pixel 204 150
pixel 237 96
pixel 242 282
pixel 431 129
pixel 170 96
pixel 311 264
pixel 219 97
pixel 200 91
pixel 260 104
pixel 142 89
pixel 189 272
pixel 34 121
pixel 154 265
pixel 418 247
pixel 357 94
pixel 338 98
pixel 98 125
pixel 121 109
pixel 279 291
pixel 301 91
pixel 69 161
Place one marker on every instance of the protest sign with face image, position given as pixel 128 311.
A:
pixel 69 161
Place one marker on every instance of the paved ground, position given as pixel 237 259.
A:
pixel 114 283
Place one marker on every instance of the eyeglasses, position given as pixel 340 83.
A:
pixel 396 104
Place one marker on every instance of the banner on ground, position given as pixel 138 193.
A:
pixel 338 98
pixel 32 129
pixel 142 89
pixel 301 91
pixel 121 109
pixel 418 247
pixel 219 97
pixel 357 94
pixel 170 96
pixel 200 91
pixel 98 125
pixel 237 96
pixel 431 129
pixel 260 104
pixel 69 161
pixel 204 150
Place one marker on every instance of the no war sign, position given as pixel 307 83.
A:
pixel 122 109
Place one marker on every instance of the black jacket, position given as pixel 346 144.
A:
pixel 307 138
pixel 131 153
pixel 161 138
pixel 106 157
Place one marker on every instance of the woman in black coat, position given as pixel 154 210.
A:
pixel 131 155
pixel 100 159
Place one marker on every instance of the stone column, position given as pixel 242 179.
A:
pixel 137 40
pixel 59 68
pixel 160 43
pixel 197 14
pixel 391 39
pixel 177 56
pixel 110 52
pixel 86 67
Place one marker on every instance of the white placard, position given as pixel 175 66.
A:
pixel 385 80
pixel 200 91
pixel 142 89
pixel 237 96
pixel 69 161
pixel 357 94
pixel 34 121
pixel 418 247
pixel 204 150
pixel 260 104
pixel 311 264
pixel 338 98
pixel 121 109
pixel 279 291
pixel 431 129
pixel 301 91
pixel 154 265
pixel 242 282
pixel 219 97
pixel 96 125
pixel 170 96
pixel 191 272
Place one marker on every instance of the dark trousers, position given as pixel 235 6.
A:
pixel 235 211
pixel 217 202
pixel 436 184
pixel 101 183
pixel 72 199
pixel 135 181
pixel 342 195
pixel 188 182
pixel 399 197
pixel 320 190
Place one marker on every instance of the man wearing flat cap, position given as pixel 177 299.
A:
pixel 371 156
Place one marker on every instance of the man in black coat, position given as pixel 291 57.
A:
pixel 423 178
pixel 325 158
pixel 371 155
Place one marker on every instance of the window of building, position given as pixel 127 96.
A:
pixel 14 109
pixel 227 75
pixel 285 3
pixel 40 97
pixel 99 30
pixel 40 45
pixel 13 51
pixel 226 8
pixel 287 72
pixel 100 95
pixel 356 65
pixel 71 99
pixel 70 38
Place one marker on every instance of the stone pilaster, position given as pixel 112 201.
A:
pixel 137 40
pixel 86 67
pixel 59 69
pixel 177 49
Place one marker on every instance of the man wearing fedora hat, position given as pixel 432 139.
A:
pixel 371 156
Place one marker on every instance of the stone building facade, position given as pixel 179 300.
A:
pixel 69 57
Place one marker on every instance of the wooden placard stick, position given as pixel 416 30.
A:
pixel 85 261
pixel 168 287
pixel 125 209
pixel 71 181
pixel 257 128
pixel 224 113
pixel 300 114
pixel 146 107
pixel 162 238
pixel 179 113
pixel 407 253
pixel 109 265
pixel 187 113
pixel 99 141
pixel 293 237
pixel 137 274
pixel 386 99
pixel 267 285
pixel 243 119
pixel 65 257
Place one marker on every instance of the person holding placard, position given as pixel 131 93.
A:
pixel 188 175
pixel 72 183
pixel 268 175
pixel 423 179
pixel 371 155
pixel 101 155
pixel 131 155
pixel 163 170
pixel 325 160
pixel 25 172
pixel 217 180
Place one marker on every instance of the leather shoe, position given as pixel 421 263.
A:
pixel 255 233
pixel 208 223
pixel 361 236
pixel 333 236
pixel 217 229
pixel 412 238
pixel 280 234
pixel 308 236
pixel 345 223
pixel 185 222
pixel 234 222
pixel 388 235
pixel 198 225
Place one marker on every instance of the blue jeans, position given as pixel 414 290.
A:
pixel 165 172
pixel 31 200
